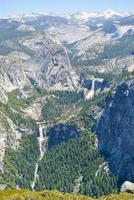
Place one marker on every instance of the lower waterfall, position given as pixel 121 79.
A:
pixel 42 140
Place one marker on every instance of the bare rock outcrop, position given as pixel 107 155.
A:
pixel 12 75
pixel 9 136
pixel 50 68
pixel 127 187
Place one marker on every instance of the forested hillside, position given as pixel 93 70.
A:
pixel 20 164
pixel 65 163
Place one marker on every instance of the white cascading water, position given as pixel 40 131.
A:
pixel 90 94
pixel 41 132
pixel 93 88
pixel 41 140
pixel 35 176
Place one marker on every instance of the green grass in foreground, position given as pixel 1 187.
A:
pixel 55 195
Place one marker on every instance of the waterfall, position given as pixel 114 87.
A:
pixel 35 176
pixel 42 140
pixel 89 94
pixel 93 87
pixel 41 132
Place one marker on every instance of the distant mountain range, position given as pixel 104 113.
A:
pixel 82 16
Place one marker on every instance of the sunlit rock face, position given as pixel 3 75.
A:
pixel 127 187
pixel 12 75
pixel 116 131
pixel 9 136
pixel 50 67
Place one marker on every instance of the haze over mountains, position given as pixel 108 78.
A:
pixel 79 15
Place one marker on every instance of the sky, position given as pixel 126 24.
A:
pixel 11 7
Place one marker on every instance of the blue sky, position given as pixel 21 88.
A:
pixel 10 7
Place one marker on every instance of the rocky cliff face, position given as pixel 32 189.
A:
pixel 12 75
pixel 116 131
pixel 9 136
pixel 50 67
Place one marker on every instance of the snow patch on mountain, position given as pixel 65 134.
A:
pixel 83 16
pixel 79 16
pixel 112 14
pixel 121 30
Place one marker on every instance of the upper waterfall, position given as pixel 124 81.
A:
pixel 89 94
